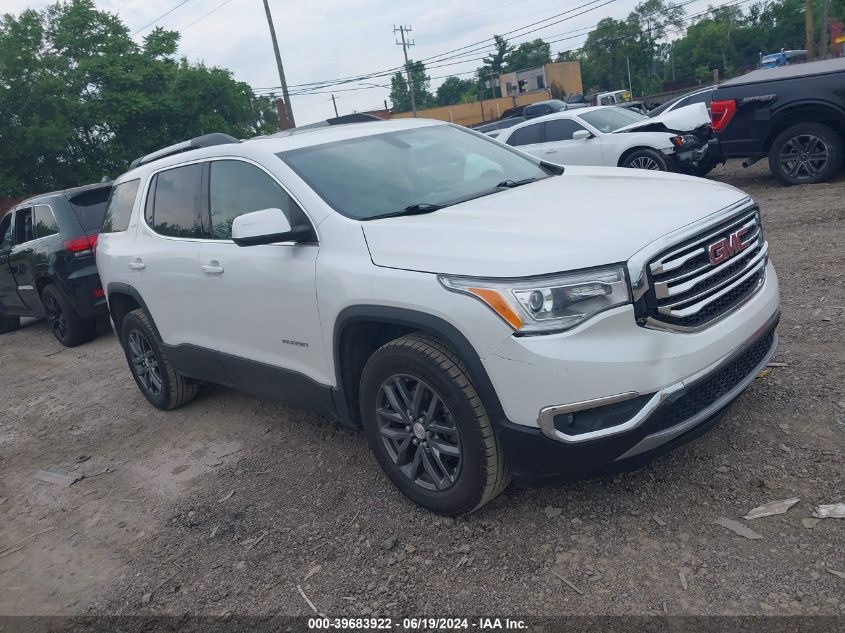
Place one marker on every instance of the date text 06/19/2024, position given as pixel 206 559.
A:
pixel 416 624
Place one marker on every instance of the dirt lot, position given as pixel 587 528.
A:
pixel 231 502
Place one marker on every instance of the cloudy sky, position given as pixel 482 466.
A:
pixel 329 39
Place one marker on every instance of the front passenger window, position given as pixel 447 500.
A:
pixel 237 188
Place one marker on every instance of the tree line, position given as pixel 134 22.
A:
pixel 79 99
pixel 666 46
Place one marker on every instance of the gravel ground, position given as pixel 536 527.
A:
pixel 231 502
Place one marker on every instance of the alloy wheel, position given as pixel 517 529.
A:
pixel 419 432
pixel 55 316
pixel 644 162
pixel 144 363
pixel 804 156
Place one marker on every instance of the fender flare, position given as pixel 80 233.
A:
pixel 418 321
pixel 122 288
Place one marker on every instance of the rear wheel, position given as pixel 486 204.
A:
pixel 67 326
pixel 805 154
pixel 9 324
pixel 161 385
pixel 428 428
pixel 646 159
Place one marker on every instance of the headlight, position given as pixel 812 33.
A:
pixel 549 303
pixel 687 141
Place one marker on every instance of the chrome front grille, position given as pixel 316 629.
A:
pixel 707 276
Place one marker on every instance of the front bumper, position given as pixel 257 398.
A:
pixel 669 418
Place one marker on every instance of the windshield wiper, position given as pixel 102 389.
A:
pixel 510 184
pixel 419 208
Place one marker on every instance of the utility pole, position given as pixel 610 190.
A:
pixel 824 38
pixel 288 107
pixel 630 85
pixel 405 44
pixel 811 41
pixel 334 103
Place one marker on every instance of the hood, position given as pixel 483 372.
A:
pixel 684 119
pixel 589 216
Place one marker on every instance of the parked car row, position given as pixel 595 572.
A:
pixel 483 314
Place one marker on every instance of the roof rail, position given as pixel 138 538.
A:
pixel 207 140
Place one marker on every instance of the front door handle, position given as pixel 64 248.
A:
pixel 212 269
pixel 550 151
pixel 137 265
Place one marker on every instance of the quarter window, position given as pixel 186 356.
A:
pixel 527 135
pixel 176 206
pixel 119 206
pixel 237 188
pixel 561 130
pixel 45 223
pixel 6 233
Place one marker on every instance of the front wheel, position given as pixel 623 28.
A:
pixel 428 428
pixel 161 385
pixel 69 328
pixel 646 159
pixel 805 154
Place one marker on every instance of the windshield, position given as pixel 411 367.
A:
pixel 440 165
pixel 611 119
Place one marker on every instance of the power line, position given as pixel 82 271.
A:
pixel 146 26
pixel 200 19
pixel 316 87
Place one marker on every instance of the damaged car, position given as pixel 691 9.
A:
pixel 611 136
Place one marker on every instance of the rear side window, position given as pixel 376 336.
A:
pixel 89 207
pixel 236 188
pixel 527 135
pixel 119 206
pixel 43 221
pixel 6 233
pixel 175 208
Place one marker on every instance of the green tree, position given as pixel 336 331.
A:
pixel 399 95
pixel 79 99
pixel 455 90
pixel 529 55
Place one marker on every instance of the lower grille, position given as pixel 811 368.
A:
pixel 704 393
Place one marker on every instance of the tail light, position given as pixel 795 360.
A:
pixel 721 113
pixel 81 246
pixel 99 293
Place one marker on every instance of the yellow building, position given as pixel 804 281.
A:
pixel 559 78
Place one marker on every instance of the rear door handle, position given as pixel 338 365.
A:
pixel 550 151
pixel 137 265
pixel 212 269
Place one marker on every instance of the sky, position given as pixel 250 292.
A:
pixel 329 39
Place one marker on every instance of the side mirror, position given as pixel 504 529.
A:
pixel 267 226
pixel 581 135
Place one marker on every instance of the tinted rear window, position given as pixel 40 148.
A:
pixel 176 205
pixel 90 207
pixel 119 207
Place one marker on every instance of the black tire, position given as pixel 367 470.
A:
pixel 479 472
pixel 158 381
pixel 69 328
pixel 9 324
pixel 791 157
pixel 645 158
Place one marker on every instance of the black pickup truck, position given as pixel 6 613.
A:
pixel 794 115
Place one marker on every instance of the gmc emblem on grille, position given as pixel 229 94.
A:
pixel 727 247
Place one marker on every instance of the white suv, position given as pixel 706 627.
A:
pixel 482 314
